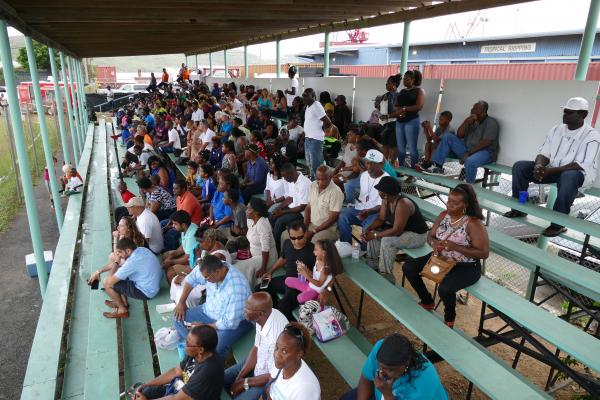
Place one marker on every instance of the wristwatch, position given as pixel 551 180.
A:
pixel 246 385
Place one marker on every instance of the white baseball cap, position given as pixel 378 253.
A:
pixel 374 156
pixel 577 104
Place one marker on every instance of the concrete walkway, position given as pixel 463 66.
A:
pixel 20 295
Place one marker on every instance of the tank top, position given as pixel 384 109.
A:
pixel 408 97
pixel 459 236
pixel 416 223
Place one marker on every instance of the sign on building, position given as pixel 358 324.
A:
pixel 508 48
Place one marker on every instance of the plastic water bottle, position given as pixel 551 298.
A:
pixel 355 251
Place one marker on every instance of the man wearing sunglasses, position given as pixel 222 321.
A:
pixel 567 157
pixel 296 248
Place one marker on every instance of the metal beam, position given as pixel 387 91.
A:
pixel 246 62
pixel 59 108
pixel 423 12
pixel 225 62
pixel 326 56
pixel 35 80
pixel 210 73
pixel 21 148
pixel 405 45
pixel 277 59
pixel 587 41
pixel 72 129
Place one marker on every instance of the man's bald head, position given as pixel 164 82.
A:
pixel 261 300
pixel 258 307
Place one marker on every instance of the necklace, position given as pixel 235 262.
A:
pixel 457 221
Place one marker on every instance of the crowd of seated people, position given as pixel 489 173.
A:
pixel 244 211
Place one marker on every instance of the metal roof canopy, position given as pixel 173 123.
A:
pixel 116 28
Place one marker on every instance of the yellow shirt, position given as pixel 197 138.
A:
pixel 322 204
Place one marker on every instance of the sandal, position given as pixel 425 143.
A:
pixel 110 303
pixel 514 214
pixel 115 314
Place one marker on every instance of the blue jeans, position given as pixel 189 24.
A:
pixel 567 183
pixel 350 189
pixel 407 133
pixel 453 144
pixel 313 151
pixel 349 217
pixel 226 337
pixel 231 373
pixel 170 237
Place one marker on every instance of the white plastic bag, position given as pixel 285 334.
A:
pixel 166 338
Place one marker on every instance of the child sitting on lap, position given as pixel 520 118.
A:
pixel 311 284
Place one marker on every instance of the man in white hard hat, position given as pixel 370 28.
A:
pixel 568 157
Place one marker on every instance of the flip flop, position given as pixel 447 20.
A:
pixel 115 314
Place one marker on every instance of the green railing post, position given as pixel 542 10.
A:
pixel 225 62
pixel 81 86
pixel 196 62
pixel 587 41
pixel 44 130
pixel 59 108
pixel 76 105
pixel 210 73
pixel 19 135
pixel 74 136
pixel 326 56
pixel 277 58
pixel 405 45
pixel 246 62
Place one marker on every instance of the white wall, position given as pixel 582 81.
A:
pixel 334 85
pixel 525 110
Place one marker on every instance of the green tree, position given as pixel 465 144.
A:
pixel 42 59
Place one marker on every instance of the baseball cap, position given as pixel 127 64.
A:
pixel 253 148
pixel 388 185
pixel 374 156
pixel 135 202
pixel 577 104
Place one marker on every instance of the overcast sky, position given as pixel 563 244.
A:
pixel 537 16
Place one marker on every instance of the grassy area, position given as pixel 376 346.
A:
pixel 9 206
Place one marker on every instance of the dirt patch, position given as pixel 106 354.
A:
pixel 378 323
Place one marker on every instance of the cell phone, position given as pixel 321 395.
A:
pixel 381 376
pixel 94 285
pixel 265 283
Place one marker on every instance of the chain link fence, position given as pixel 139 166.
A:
pixel 510 274
pixel 10 186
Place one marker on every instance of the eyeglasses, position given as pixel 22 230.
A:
pixel 295 332
pixel 297 237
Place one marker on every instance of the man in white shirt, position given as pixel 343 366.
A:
pixel 296 188
pixel 174 142
pixel 292 91
pixel 366 207
pixel 236 104
pixel 206 135
pixel 147 223
pixel 568 157
pixel 294 129
pixel 246 379
pixel 198 113
pixel 315 122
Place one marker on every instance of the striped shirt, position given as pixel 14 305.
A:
pixel 563 146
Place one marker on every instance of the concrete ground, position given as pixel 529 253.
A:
pixel 20 294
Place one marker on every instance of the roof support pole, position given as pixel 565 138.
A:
pixel 20 146
pixel 44 130
pixel 82 102
pixel 405 45
pixel 68 98
pixel 84 99
pixel 225 62
pixel 196 62
pixel 326 56
pixel 277 58
pixel 210 72
pixel 246 62
pixel 587 41
pixel 75 100
pixel 59 108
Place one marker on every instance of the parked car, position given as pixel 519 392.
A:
pixel 127 88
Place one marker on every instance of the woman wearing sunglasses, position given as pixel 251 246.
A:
pixel 295 380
